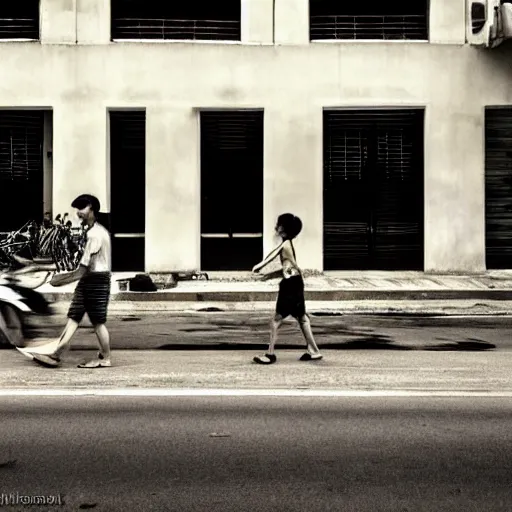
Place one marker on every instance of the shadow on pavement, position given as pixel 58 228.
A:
pixel 369 343
pixel 469 345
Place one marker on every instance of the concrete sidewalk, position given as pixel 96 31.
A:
pixel 329 287
pixel 119 308
pixel 358 370
pixel 414 293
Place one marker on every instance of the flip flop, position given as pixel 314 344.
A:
pixel 308 357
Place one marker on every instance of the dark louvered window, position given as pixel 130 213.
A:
pixel 372 19
pixel 178 20
pixel 373 190
pixel 498 187
pixel 19 19
pixel 128 189
pixel 21 167
pixel 231 189
pixel 20 144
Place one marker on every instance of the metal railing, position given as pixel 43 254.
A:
pixel 145 28
pixel 365 27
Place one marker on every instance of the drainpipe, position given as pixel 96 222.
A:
pixel 273 22
pixel 76 22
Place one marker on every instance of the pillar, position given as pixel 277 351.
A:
pixel 447 22
pixel 257 21
pixel 58 21
pixel 93 21
pixel 293 177
pixel 292 22
pixel 79 155
pixel 454 191
pixel 173 197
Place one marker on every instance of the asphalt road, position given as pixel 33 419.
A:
pixel 259 454
pixel 250 330
pixel 366 370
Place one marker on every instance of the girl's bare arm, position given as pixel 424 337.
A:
pixel 271 256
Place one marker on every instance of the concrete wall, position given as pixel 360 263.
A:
pixel 293 82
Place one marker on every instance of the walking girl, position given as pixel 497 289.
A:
pixel 290 300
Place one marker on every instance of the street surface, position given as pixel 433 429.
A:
pixel 259 454
pixel 215 350
pixel 375 370
pixel 250 329
pixel 436 437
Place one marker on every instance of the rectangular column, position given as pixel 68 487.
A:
pixel 447 22
pixel 257 21
pixel 293 177
pixel 93 21
pixel 79 155
pixel 292 22
pixel 454 191
pixel 173 219
pixel 58 21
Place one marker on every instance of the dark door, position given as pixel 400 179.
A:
pixel 128 189
pixel 231 189
pixel 498 187
pixel 373 190
pixel 21 168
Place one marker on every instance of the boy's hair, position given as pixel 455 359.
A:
pixel 84 200
pixel 291 225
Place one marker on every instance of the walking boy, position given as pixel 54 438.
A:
pixel 92 292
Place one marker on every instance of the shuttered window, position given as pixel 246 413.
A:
pixel 128 189
pixel 20 145
pixel 231 189
pixel 498 187
pixel 19 19
pixel 372 19
pixel 178 20
pixel 21 167
pixel 373 190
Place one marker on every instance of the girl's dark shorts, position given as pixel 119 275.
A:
pixel 290 300
pixel 92 295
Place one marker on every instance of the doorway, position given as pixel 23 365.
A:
pixel 231 189
pixel 373 189
pixel 128 189
pixel 498 187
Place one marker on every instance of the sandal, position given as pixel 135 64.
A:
pixel 101 362
pixel 265 359
pixel 309 357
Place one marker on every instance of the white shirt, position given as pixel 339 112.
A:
pixel 97 252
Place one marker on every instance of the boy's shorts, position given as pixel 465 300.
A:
pixel 92 295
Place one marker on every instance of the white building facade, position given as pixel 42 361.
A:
pixel 385 131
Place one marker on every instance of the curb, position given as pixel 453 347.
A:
pixel 369 308
pixel 310 295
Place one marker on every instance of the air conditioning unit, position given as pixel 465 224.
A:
pixel 488 22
